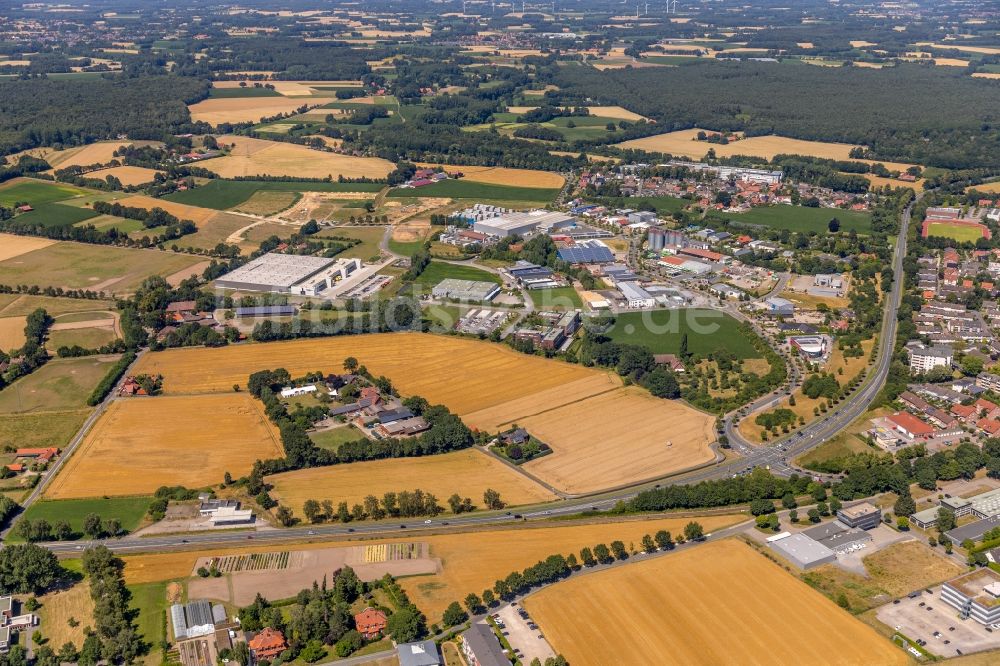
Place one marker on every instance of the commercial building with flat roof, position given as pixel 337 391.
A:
pixel 803 552
pixel 465 290
pixel 635 295
pixel 837 537
pixel 288 273
pixel 524 224
pixel 863 516
pixel 973 531
pixel 975 595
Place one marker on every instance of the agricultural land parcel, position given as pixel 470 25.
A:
pixel 467 189
pixel 718 597
pixel 503 175
pixel 128 175
pixel 216 110
pixel 684 143
pixel 471 563
pixel 141 444
pixel 94 267
pixel 59 385
pixel 488 385
pixel 129 511
pixel 252 157
pixel 804 218
pixel 661 332
pixel 468 473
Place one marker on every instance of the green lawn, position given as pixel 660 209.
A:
pixel 332 439
pixel 466 189
pixel 957 232
pixel 151 601
pixel 561 298
pixel 442 317
pixel 249 91
pixel 405 248
pixel 106 222
pixel 59 385
pixel 662 205
pixel 370 238
pixel 224 194
pixel 437 271
pixel 661 330
pixel 128 510
pixel 802 218
pixel 18 305
pixel 88 338
pixel 55 215
pixel 37 192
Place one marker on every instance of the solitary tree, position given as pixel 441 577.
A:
pixel 693 531
pixel 350 364
pixel 491 498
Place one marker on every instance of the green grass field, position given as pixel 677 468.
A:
pixel 249 91
pixel 55 215
pixel 802 218
pixel 437 271
pixel 661 330
pixel 560 298
pixel 151 600
pixel 40 429
pixel 106 222
pixel 36 192
pixel 88 338
pixel 370 238
pixel 59 385
pixel 128 510
pixel 466 189
pixel 405 248
pixel 442 317
pixel 332 439
pixel 16 305
pixel 95 267
pixel 662 205
pixel 957 232
pixel 225 194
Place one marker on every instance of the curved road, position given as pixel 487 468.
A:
pixel 775 457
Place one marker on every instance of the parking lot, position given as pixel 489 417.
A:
pixel 920 617
pixel 530 643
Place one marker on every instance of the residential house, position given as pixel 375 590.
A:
pixel 482 648
pixel 370 622
pixel 267 644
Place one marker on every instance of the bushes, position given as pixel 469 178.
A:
pixel 114 374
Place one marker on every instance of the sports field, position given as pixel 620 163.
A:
pixel 503 175
pixel 716 603
pixel 962 233
pixel 141 444
pixel 468 473
pixel 93 267
pixel 684 143
pixel 661 331
pixel 488 385
pixel 216 110
pixel 61 384
pixel 252 157
pixel 471 562
pixel 128 175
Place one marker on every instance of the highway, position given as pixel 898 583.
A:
pixel 776 457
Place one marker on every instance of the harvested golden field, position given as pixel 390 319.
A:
pixel 467 375
pixel 216 110
pixel 616 112
pixel 616 438
pixel 468 473
pixel 128 175
pixel 14 246
pixel 504 175
pixel 717 603
pixel 991 188
pixel 880 181
pixel 140 444
pixel 57 609
pixel 94 153
pixel 987 50
pixel 196 214
pixel 576 410
pixel 860 43
pixel 986 75
pixel 684 143
pixel 471 561
pixel 11 333
pixel 287 159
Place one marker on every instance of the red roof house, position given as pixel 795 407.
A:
pixel 910 425
pixel 45 454
pixel 370 622
pixel 268 644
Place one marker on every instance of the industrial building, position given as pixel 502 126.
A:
pixel 801 551
pixel 635 296
pixel 465 290
pixel 289 273
pixel 524 224
pixel 975 595
pixel 864 516
pixel 587 252
pixel 837 537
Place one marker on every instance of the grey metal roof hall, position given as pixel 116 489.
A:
pixel 484 644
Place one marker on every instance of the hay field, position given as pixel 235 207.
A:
pixel 93 153
pixel 471 562
pixel 986 50
pixel 216 110
pixel 274 158
pixel 58 607
pixel 95 267
pixel 684 143
pixel 128 175
pixel 140 444
pixel 14 246
pixel 986 75
pixel 12 333
pixel 468 473
pixel 616 112
pixel 183 211
pixel 991 188
pixel 578 411
pixel 717 603
pixel 617 438
pixel 504 175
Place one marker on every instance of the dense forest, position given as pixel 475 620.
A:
pixel 912 113
pixel 48 112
